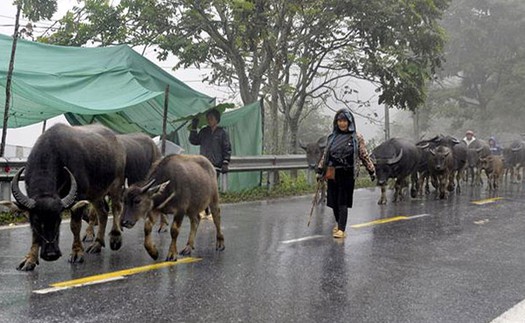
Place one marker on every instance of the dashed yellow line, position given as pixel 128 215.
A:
pixel 486 201
pixel 112 276
pixel 380 221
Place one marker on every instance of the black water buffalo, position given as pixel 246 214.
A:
pixel 314 151
pixel 515 159
pixel 141 153
pixel 476 150
pixel 459 153
pixel 396 158
pixel 178 184
pixel 441 166
pixel 69 163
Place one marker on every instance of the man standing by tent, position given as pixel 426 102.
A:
pixel 213 140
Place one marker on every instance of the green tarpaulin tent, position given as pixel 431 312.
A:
pixel 114 86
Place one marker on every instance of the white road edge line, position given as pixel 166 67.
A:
pixel 302 239
pixel 514 315
pixel 57 289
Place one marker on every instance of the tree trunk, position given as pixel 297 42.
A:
pixel 8 81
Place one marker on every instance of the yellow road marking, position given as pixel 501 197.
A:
pixel 112 276
pixel 125 272
pixel 380 221
pixel 486 201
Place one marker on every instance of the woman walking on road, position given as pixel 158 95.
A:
pixel 340 167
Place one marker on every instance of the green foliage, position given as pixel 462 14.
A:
pixel 36 10
pixel 11 218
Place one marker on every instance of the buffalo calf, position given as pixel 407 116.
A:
pixel 179 185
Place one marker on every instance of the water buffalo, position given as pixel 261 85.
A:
pixel 459 153
pixel 396 158
pixel 314 151
pixel 516 160
pixel 178 184
pixel 141 153
pixel 65 164
pixel 493 166
pixel 441 165
pixel 476 150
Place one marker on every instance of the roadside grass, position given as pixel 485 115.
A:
pixel 288 186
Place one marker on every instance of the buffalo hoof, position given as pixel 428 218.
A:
pixel 88 237
pixel 381 202
pixel 171 257
pixel 27 265
pixel 413 193
pixel 220 246
pixel 186 251
pixel 96 247
pixel 115 242
pixel 152 252
pixel 76 258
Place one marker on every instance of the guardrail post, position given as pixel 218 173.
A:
pixel 271 179
pixel 224 182
pixel 5 191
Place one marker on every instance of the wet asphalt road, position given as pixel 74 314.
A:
pixel 455 262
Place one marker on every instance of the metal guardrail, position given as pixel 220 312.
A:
pixel 9 167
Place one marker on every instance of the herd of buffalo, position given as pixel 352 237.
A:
pixel 87 169
pixel 443 161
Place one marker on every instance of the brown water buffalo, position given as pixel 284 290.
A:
pixel 178 184
pixel 493 166
pixel 69 163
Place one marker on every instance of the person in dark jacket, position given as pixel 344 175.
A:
pixel 344 147
pixel 213 140
pixel 495 148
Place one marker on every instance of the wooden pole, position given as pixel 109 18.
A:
pixel 8 81
pixel 165 119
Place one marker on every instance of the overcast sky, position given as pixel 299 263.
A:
pixel 26 136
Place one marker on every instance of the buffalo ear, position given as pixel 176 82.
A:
pixel 302 145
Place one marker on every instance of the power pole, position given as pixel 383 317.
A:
pixel 387 122
pixel 8 80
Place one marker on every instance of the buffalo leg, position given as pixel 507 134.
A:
pixel 115 235
pixel 163 225
pixel 148 241
pixel 216 214
pixel 175 229
pixel 91 219
pixel 102 213
pixel 77 250
pixel 382 199
pixel 194 225
pixel 31 260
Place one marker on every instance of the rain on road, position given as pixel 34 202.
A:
pixel 420 260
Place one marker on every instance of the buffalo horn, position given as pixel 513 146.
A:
pixel 423 146
pixel 20 197
pixel 69 199
pixel 396 158
pixel 147 186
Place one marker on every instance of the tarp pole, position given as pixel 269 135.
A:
pixel 8 81
pixel 164 119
